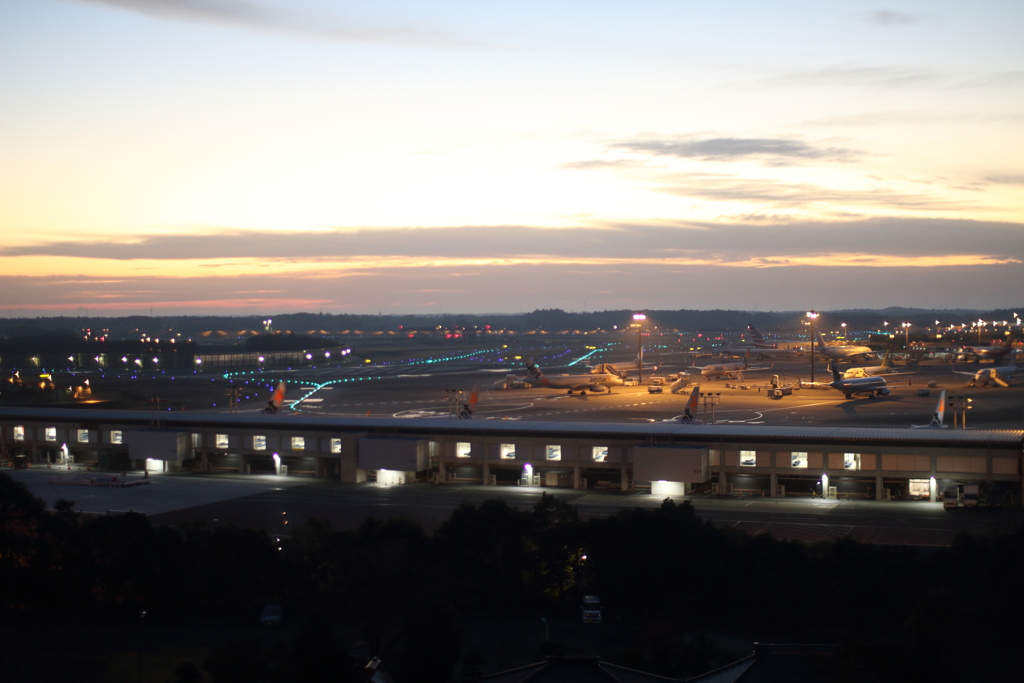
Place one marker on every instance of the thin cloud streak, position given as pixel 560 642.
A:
pixel 891 18
pixel 256 17
pixel 769 151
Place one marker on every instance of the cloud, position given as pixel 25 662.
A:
pixel 253 16
pixel 330 254
pixel 1006 179
pixel 883 17
pixel 769 151
pixel 777 194
pixel 530 286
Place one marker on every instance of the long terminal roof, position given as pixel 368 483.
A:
pixel 629 430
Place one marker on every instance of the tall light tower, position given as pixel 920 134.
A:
pixel 640 318
pixel 813 315
pixel 906 329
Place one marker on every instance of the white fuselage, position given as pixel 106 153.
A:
pixel 727 370
pixel 1003 376
pixel 763 353
pixel 842 352
pixel 594 382
pixel 869 386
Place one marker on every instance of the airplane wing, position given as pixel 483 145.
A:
pixel 590 386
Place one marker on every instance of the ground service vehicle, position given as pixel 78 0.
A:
pixel 271 616
pixel 970 495
pixel 591 609
pixel 778 392
pixel 654 389
pixel 950 498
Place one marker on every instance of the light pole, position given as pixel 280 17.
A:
pixel 640 318
pixel 906 329
pixel 813 316
pixel 844 330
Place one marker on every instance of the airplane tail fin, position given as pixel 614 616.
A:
pixel 940 411
pixel 754 334
pixel 836 372
pixel 691 406
pixel 276 400
pixel 533 369
pixel 469 407
pixel 885 360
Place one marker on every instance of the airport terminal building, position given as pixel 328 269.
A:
pixel 668 457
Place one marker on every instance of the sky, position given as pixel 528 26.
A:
pixel 228 156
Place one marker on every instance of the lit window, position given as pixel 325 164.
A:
pixel 116 436
pixel 851 461
pixel 748 458
pixel 799 460
pixel 554 453
pixel 600 453
pixel 259 442
pixel 462 449
pixel 197 441
pixel 335 445
pixel 83 436
pixel 19 433
pixel 222 441
pixel 508 451
pixel 298 443
pixel 51 433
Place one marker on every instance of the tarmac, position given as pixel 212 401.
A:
pixel 259 501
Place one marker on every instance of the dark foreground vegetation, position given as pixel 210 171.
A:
pixel 388 589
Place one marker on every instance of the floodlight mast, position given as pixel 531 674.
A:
pixel 812 315
pixel 640 318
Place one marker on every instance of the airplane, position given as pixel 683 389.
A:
pixel 757 340
pixel 622 370
pixel 875 370
pixel 840 352
pixel 728 370
pixel 939 416
pixel 994 353
pixel 1003 375
pixel 582 383
pixel 276 400
pixel 871 386
pixel 763 353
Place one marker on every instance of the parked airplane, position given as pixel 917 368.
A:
pixel 1003 375
pixel 757 340
pixel 875 370
pixel 581 383
pixel 939 416
pixel 840 352
pixel 622 370
pixel 276 400
pixel 729 370
pixel 992 353
pixel 763 353
pixel 870 386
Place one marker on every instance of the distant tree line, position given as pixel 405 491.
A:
pixel 898 613
pixel 547 319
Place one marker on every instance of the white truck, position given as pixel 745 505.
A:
pixel 970 495
pixel 590 609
